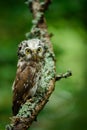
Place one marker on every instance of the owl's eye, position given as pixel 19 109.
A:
pixel 27 51
pixel 39 49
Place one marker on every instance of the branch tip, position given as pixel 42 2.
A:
pixel 64 75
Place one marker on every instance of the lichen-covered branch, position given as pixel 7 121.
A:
pixel 64 75
pixel 29 111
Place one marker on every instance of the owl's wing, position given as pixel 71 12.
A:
pixel 24 81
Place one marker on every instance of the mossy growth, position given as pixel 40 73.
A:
pixel 48 73
pixel 36 33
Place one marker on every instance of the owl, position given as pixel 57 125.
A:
pixel 30 58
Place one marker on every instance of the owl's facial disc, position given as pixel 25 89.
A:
pixel 31 50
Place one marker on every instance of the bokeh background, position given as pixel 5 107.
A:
pixel 67 20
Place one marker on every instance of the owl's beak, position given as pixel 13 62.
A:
pixel 34 57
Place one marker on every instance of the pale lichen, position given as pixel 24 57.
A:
pixel 48 71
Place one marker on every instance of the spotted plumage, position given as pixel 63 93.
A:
pixel 30 53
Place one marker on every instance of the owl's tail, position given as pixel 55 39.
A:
pixel 15 108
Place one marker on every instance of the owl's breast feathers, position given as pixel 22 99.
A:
pixel 24 82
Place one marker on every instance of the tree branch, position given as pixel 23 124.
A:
pixel 45 5
pixel 64 75
pixel 29 111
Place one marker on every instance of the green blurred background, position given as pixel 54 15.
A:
pixel 67 20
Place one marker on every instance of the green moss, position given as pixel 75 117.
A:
pixel 34 33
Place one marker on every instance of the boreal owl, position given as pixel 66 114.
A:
pixel 30 54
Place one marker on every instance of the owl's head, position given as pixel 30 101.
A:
pixel 31 49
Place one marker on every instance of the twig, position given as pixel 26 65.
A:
pixel 64 75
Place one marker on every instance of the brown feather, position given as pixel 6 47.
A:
pixel 24 81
